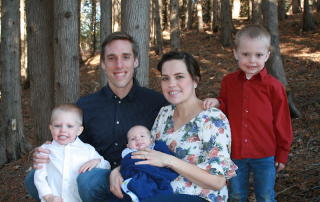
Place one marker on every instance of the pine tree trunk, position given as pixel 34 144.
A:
pixel 135 22
pixel 66 49
pixel 79 33
pixel 151 21
pixel 274 63
pixel 236 9
pixel 256 12
pixel 161 15
pixel 281 10
pixel 318 5
pixel 199 16
pixel 225 37
pixel 157 28
pixel 116 16
pixel 232 27
pixel 13 142
pixel 105 30
pixel 174 22
pixel 307 22
pixel 189 20
pixel 214 15
pixel 40 39
pixel 167 18
pixel 250 11
pixel 181 14
pixel 25 77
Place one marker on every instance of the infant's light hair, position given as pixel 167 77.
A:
pixel 149 133
pixel 67 107
pixel 254 31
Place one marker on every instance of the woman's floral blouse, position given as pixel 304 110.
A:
pixel 205 141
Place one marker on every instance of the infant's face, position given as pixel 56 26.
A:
pixel 139 138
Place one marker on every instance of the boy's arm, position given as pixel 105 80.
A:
pixel 89 165
pixel 282 124
pixel 40 180
pixel 223 97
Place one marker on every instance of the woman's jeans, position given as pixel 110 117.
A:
pixel 264 173
pixel 92 186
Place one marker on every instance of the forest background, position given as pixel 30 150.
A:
pixel 204 28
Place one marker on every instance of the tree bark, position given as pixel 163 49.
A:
pixel 181 14
pixel 93 27
pixel 25 77
pixel 307 22
pixel 167 18
pixel 174 22
pixel 294 7
pixel 135 22
pixel 250 11
pixel 199 16
pixel 225 37
pixel 41 63
pixel 214 14
pixel 151 21
pixel 318 5
pixel 13 142
pixel 157 28
pixel 281 10
pixel 189 19
pixel 256 12
pixel 66 49
pixel 105 30
pixel 236 9
pixel 274 63
pixel 116 15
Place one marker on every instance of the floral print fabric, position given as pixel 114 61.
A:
pixel 205 141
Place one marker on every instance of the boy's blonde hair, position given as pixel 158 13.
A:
pixel 67 107
pixel 254 31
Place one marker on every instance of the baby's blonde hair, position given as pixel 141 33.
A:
pixel 67 107
pixel 254 31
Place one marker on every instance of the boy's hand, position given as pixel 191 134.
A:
pixel 40 158
pixel 52 198
pixel 89 165
pixel 279 166
pixel 209 103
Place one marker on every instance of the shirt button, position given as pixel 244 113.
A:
pixel 115 96
pixel 248 82
pixel 247 96
pixel 246 110
pixel 245 140
pixel 115 163
pixel 117 122
pixel 116 144
pixel 246 125
pixel 119 102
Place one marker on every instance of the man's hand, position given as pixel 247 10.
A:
pixel 209 103
pixel 279 166
pixel 40 158
pixel 89 165
pixel 115 182
pixel 52 198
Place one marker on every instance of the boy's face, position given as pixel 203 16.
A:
pixel 65 127
pixel 251 55
pixel 139 138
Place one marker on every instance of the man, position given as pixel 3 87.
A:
pixel 109 114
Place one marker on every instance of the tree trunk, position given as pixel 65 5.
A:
pixel 225 37
pixel 93 27
pixel 281 10
pixel 151 21
pixel 116 15
pixel 157 28
pixel 135 22
pixel 250 11
pixel 105 30
pixel 167 17
pixel 236 9
pixel 232 27
pixel 294 7
pixel 189 19
pixel 256 12
pixel 318 5
pixel 274 63
pixel 199 16
pixel 181 15
pixel 40 39
pixel 13 142
pixel 79 33
pixel 307 22
pixel 25 78
pixel 161 15
pixel 66 49
pixel 174 22
pixel 214 15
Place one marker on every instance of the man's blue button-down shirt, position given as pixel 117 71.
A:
pixel 107 118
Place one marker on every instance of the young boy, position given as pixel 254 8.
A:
pixel 143 181
pixel 257 108
pixel 56 181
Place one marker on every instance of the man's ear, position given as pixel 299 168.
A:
pixel 80 130
pixel 103 66
pixel 136 62
pixel 235 53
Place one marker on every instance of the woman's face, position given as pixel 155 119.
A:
pixel 177 84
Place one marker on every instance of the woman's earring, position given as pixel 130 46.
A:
pixel 195 86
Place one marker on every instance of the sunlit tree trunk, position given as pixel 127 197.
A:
pixel 167 18
pixel 189 20
pixel 174 22
pixel 274 63
pixel 25 77
pixel 308 23
pixel 225 37
pixel 135 22
pixel 13 142
pixel 294 7
pixel 116 15
pixel 250 11
pixel 105 30
pixel 93 27
pixel 256 12
pixel 66 49
pixel 281 10
pixel 157 28
pixel 40 39
pixel 151 21
pixel 236 9
pixel 199 16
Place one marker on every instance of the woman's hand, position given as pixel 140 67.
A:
pixel 40 158
pixel 152 157
pixel 116 180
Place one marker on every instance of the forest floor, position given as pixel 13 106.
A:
pixel 300 53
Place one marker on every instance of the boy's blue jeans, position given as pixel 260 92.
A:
pixel 92 186
pixel 264 174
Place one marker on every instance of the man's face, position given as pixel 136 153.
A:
pixel 119 64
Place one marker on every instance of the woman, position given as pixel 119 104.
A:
pixel 200 140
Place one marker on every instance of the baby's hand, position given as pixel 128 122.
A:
pixel 209 103
pixel 89 165
pixel 52 198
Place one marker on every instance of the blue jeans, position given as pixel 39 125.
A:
pixel 92 186
pixel 264 174
pixel 175 198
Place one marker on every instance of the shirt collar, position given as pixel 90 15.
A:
pixel 110 94
pixel 76 143
pixel 261 75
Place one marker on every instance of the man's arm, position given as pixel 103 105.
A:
pixel 39 158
